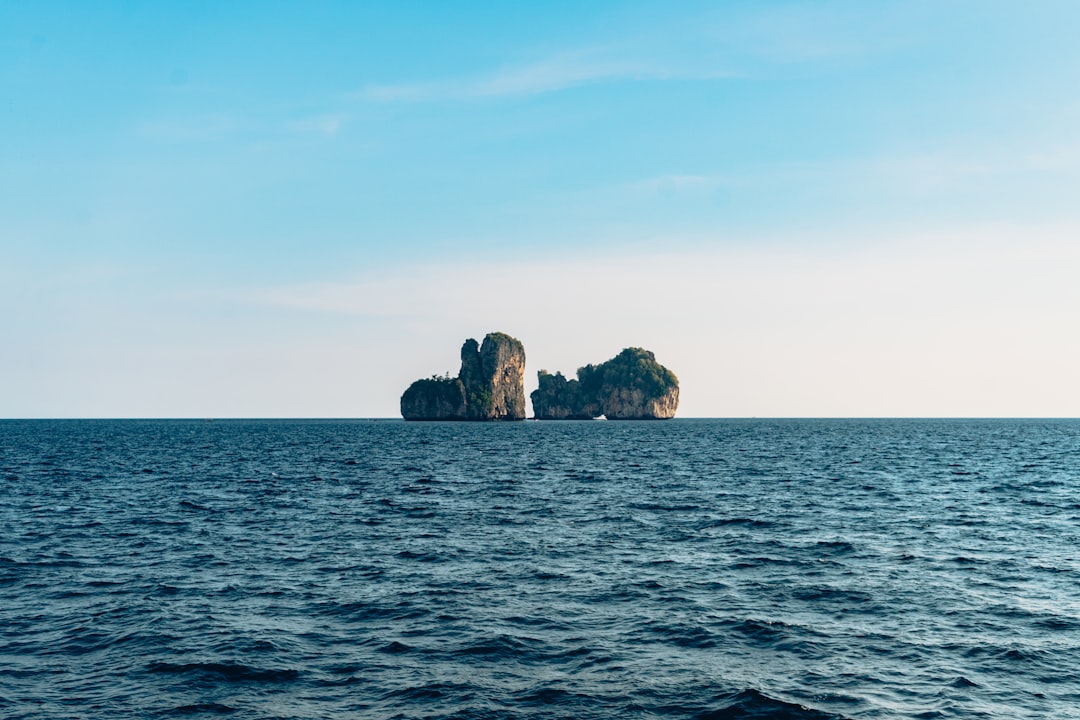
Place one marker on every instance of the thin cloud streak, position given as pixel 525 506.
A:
pixel 677 183
pixel 713 51
pixel 326 125
pixel 201 128
pixel 919 175
pixel 559 72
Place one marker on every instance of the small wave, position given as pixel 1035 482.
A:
pixel 836 547
pixel 58 564
pixel 344 682
pixel 396 648
pixel 500 647
pixel 742 521
pixel 227 671
pixel 688 636
pixel 202 708
pixel 763 632
pixel 673 507
pixel 550 696
pixel 757 562
pixel 364 611
pixel 753 705
pixel 822 593
pixel 82 640
pixel 548 575
pixel 419 556
pixel 1022 655
pixel 434 691
pixel 1052 569
pixel 1057 623
pixel 546 623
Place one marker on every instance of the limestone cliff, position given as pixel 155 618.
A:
pixel 623 403
pixel 500 392
pixel 630 386
pixel 560 399
pixel 489 386
pixel 436 398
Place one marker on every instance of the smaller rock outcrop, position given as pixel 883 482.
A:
pixel 435 398
pixel 489 386
pixel 560 399
pixel 630 386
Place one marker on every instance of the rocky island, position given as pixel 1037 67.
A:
pixel 630 386
pixel 490 385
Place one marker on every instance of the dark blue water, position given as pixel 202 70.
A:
pixel 683 569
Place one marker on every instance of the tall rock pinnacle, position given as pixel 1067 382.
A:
pixel 489 386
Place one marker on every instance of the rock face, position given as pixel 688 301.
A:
pixel 490 385
pixel 630 386
pixel 437 398
pixel 560 399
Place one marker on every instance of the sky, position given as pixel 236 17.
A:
pixel 294 209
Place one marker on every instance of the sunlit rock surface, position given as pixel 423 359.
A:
pixel 489 386
pixel 630 386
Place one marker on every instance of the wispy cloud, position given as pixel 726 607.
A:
pixel 213 127
pixel 711 50
pixel 1061 158
pixel 552 74
pixel 931 174
pixel 797 33
pixel 200 128
pixel 559 73
pixel 942 172
pixel 677 183
pixel 327 125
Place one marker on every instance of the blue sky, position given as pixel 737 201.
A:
pixel 294 209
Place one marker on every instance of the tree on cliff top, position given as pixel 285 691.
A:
pixel 634 367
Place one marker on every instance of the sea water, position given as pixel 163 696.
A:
pixel 682 569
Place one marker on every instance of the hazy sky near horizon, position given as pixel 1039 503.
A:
pixel 276 209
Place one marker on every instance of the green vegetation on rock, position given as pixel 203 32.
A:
pixel 489 386
pixel 632 385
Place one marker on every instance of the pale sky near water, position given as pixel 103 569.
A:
pixel 295 209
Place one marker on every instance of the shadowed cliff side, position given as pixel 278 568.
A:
pixel 489 386
pixel 630 386
pixel 560 399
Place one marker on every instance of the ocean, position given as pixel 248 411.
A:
pixel 706 569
